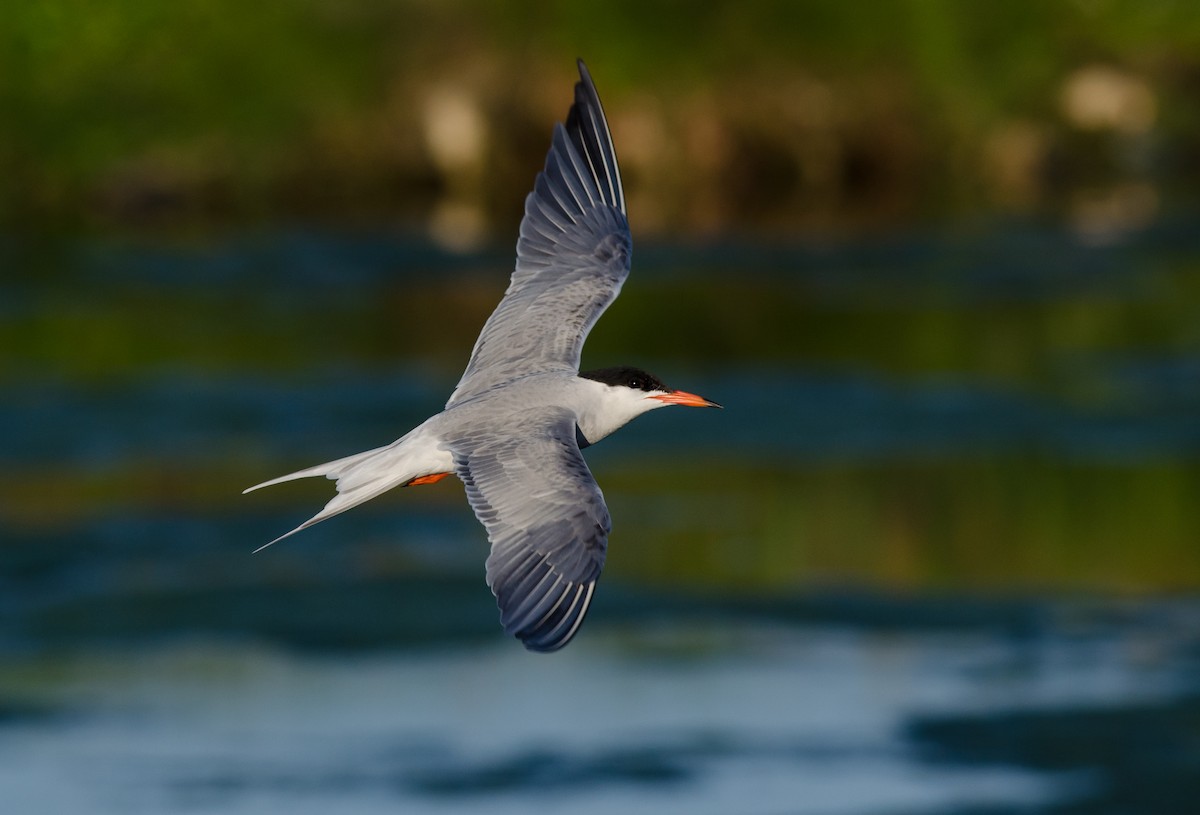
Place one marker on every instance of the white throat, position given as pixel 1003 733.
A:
pixel 603 409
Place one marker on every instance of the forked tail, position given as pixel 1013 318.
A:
pixel 367 475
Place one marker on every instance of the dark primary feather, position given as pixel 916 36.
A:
pixel 573 255
pixel 546 520
pixel 588 130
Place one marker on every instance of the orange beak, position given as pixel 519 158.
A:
pixel 684 398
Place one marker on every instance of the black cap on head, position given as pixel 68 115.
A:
pixel 626 376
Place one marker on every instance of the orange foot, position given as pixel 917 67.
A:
pixel 426 479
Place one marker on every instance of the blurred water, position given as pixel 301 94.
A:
pixel 937 556
pixel 673 717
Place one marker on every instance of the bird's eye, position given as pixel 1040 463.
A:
pixel 636 384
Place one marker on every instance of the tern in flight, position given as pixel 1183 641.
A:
pixel 515 424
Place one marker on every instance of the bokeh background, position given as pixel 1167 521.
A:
pixel 940 260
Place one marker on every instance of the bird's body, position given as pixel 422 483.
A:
pixel 514 426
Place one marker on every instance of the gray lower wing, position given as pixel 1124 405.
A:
pixel 573 255
pixel 546 521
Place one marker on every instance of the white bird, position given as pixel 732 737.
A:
pixel 514 426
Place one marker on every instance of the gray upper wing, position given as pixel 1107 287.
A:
pixel 573 255
pixel 545 518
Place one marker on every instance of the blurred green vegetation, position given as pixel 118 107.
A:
pixel 996 523
pixel 971 522
pixel 748 115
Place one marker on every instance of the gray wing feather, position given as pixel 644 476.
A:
pixel 573 254
pixel 546 521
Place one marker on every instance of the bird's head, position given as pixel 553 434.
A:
pixel 643 390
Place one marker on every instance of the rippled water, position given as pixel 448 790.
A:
pixel 938 555
pixel 674 717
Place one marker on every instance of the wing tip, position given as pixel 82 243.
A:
pixel 558 626
pixel 608 175
pixel 584 74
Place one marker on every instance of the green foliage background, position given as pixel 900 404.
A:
pixel 215 109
